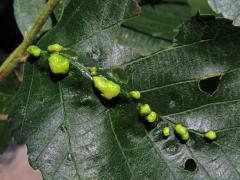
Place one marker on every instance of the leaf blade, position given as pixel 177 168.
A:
pixel 93 145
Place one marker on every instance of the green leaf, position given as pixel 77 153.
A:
pixel 160 20
pixel 58 12
pixel 138 44
pixel 5 136
pixel 229 9
pixel 26 12
pixel 7 90
pixel 201 6
pixel 72 133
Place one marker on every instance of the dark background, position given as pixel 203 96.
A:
pixel 10 36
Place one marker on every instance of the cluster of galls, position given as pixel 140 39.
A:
pixel 58 63
pixel 108 89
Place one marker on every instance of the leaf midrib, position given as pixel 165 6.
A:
pixel 66 123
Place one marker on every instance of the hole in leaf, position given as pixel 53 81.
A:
pixel 209 85
pixel 190 165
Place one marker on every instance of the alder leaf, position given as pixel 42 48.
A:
pixel 72 133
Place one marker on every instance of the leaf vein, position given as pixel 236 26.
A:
pixel 201 107
pixel 169 49
pixel 119 145
pixel 67 129
pixel 198 162
pixel 27 102
pixel 226 156
pixel 159 154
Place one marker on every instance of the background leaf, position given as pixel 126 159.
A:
pixel 58 12
pixel 229 9
pixel 201 6
pixel 71 132
pixel 26 12
pixel 160 19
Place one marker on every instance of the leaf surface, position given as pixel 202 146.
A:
pixel 200 5
pixel 160 19
pixel 7 90
pixel 71 132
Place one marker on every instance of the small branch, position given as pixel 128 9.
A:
pixel 15 57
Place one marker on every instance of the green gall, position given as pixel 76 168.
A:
pixel 166 131
pixel 151 117
pixel 58 64
pixel 211 135
pixel 135 94
pixel 34 50
pixel 108 88
pixel 93 71
pixel 145 110
pixel 180 129
pixel 55 48
pixel 185 136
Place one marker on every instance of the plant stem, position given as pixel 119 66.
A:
pixel 15 57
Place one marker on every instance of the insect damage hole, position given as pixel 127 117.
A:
pixel 190 165
pixel 209 85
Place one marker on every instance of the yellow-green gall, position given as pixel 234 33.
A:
pixel 211 135
pixel 58 64
pixel 151 117
pixel 108 88
pixel 166 131
pixel 34 50
pixel 182 131
pixel 135 94
pixel 185 136
pixel 93 71
pixel 55 48
pixel 145 110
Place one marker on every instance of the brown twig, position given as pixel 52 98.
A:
pixel 15 57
